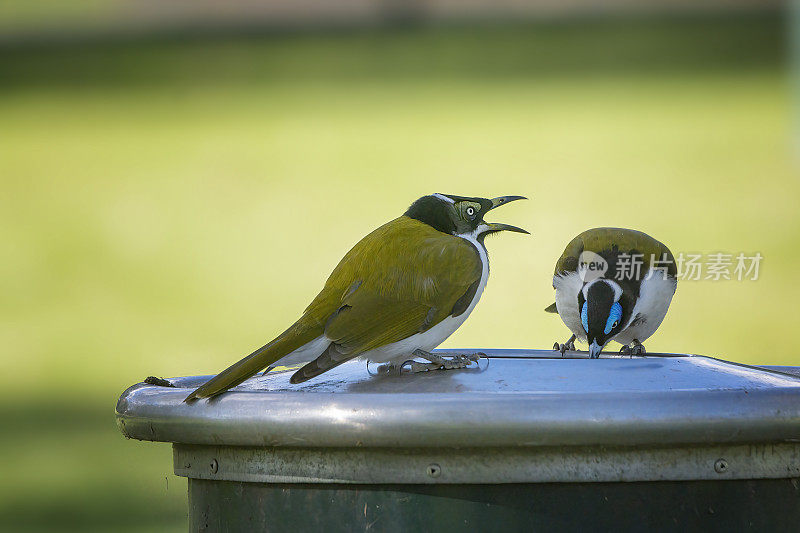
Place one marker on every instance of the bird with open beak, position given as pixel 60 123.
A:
pixel 397 294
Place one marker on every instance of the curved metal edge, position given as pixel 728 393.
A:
pixel 470 465
pixel 535 353
pixel 791 371
pixel 482 419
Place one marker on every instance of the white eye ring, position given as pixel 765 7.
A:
pixel 615 324
pixel 470 211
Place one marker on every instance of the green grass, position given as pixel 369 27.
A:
pixel 165 208
pixel 79 474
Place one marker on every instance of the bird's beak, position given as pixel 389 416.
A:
pixel 496 226
pixel 594 350
pixel 502 200
pixel 497 202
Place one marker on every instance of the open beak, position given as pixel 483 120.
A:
pixel 496 226
pixel 503 200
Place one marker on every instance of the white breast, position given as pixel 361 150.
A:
pixel 567 288
pixel 655 295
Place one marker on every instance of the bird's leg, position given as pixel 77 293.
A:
pixel 637 348
pixel 391 368
pixel 439 362
pixel 569 345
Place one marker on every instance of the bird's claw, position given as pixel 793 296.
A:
pixel 569 345
pixel 462 360
pixel 437 362
pixel 416 367
pixel 390 369
pixel 635 348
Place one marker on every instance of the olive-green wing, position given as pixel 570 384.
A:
pixel 402 279
pixel 370 320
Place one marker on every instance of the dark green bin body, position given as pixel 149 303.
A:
pixel 738 505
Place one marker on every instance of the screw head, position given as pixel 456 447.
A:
pixel 434 470
pixel 720 466
pixel 214 466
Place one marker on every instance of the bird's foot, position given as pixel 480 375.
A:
pixel 438 362
pixel 569 345
pixel 461 361
pixel 390 369
pixel 635 348
pixel 416 367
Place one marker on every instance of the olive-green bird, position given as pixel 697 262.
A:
pixel 613 284
pixel 398 293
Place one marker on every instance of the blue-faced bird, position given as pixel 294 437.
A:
pixel 613 284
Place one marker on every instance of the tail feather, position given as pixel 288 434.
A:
pixel 288 341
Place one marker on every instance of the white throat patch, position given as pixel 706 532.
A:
pixel 473 235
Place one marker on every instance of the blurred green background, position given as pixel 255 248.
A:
pixel 171 200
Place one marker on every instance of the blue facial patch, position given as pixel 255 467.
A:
pixel 585 317
pixel 614 316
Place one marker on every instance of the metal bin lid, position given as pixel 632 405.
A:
pixel 514 398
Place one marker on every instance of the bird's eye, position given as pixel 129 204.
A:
pixel 471 211
pixel 614 317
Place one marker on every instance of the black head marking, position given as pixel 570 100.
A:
pixel 449 213
pixel 599 299
pixel 434 212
